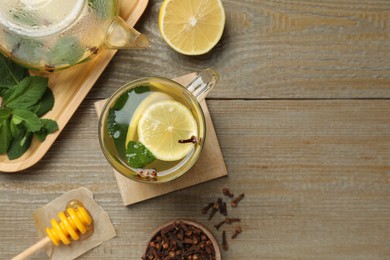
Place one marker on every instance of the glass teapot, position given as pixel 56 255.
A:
pixel 50 35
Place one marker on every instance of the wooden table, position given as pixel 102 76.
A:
pixel 302 113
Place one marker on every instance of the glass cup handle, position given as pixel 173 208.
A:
pixel 203 83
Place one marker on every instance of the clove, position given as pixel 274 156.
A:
pixel 49 68
pixel 236 232
pixel 180 241
pixel 220 224
pixel 227 192
pixel 147 174
pixel 234 202
pixel 223 210
pixel 214 210
pixel 205 209
pixel 193 139
pixel 220 205
pixel 93 50
pixel 231 220
pixel 225 245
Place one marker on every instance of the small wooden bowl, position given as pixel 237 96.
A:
pixel 192 223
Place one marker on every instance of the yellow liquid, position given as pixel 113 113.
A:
pixel 128 107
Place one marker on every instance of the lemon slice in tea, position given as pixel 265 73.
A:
pixel 161 127
pixel 192 27
pixel 152 98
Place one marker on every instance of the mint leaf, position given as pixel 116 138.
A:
pixel 31 50
pixel 16 90
pixel 28 118
pixel 10 72
pixel 27 93
pixel 4 114
pixel 121 101
pixel 19 146
pixel 138 155
pixel 67 50
pixel 111 123
pixel 103 8
pixel 48 126
pixel 17 130
pixel 6 136
pixel 41 136
pixel 16 121
pixel 44 105
pixel 141 89
pixel 2 91
pixel 26 18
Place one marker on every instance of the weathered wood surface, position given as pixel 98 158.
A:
pixel 315 174
pixel 278 49
pixel 311 148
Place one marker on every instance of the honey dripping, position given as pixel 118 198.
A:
pixel 75 222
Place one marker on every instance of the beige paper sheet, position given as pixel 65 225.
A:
pixel 103 228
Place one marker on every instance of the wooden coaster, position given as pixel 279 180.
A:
pixel 209 166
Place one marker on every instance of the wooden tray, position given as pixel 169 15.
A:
pixel 70 88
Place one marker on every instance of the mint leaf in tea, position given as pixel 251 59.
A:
pixel 24 99
pixel 138 155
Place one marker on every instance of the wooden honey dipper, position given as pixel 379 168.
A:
pixel 75 220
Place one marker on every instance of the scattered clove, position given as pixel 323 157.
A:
pixel 224 209
pixel 227 192
pixel 231 220
pixel 214 210
pixel 220 224
pixel 205 209
pixel 236 232
pixel 234 202
pixel 220 205
pixel 225 245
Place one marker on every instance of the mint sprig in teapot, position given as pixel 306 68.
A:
pixel 50 35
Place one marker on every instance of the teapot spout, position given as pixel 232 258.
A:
pixel 121 36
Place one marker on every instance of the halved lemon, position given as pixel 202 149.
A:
pixel 152 98
pixel 161 127
pixel 192 27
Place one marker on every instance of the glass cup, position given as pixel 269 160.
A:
pixel 120 136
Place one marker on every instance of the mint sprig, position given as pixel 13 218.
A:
pixel 60 53
pixel 24 99
pixel 25 94
pixel 11 73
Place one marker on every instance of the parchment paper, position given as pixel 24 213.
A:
pixel 103 228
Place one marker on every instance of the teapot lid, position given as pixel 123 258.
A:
pixel 39 18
